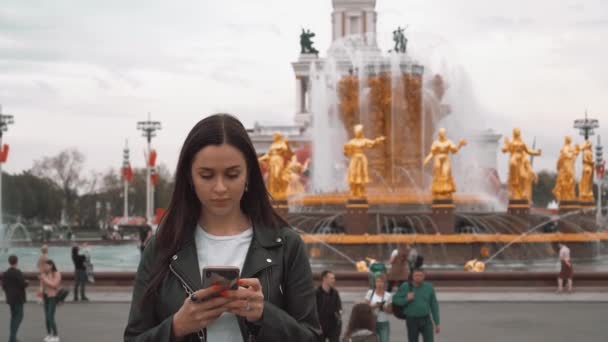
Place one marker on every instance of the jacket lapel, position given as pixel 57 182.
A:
pixel 185 262
pixel 259 256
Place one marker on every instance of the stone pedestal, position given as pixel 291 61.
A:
pixel 281 207
pixel 566 207
pixel 356 220
pixel 588 207
pixel 443 215
pixel 520 210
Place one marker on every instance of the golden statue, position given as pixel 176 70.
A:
pixel 520 169
pixel 531 178
pixel 274 159
pixel 296 169
pixel 357 169
pixel 475 266
pixel 585 186
pixel 443 183
pixel 565 182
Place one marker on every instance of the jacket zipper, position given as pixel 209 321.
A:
pixel 202 333
pixel 268 275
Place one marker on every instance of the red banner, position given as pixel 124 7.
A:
pixel 4 153
pixel 152 158
pixel 127 173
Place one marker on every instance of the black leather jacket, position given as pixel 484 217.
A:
pixel 277 258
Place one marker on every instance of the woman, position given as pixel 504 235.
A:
pixel 443 183
pixel 50 281
pixel 519 168
pixel 220 215
pixel 278 152
pixel 80 273
pixel 358 173
pixel 585 186
pixel 361 325
pixel 565 183
pixel 379 300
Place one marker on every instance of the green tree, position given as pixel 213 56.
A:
pixel 65 170
pixel 31 198
pixel 542 191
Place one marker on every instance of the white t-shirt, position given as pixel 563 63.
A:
pixel 381 316
pixel 215 250
pixel 564 253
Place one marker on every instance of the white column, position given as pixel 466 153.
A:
pixel 306 98
pixel 369 22
pixel 148 208
pixel 2 230
pixel 299 95
pixel 125 214
pixel 347 24
pixel 598 215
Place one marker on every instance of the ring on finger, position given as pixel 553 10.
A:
pixel 248 306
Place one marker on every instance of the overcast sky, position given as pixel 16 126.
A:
pixel 81 73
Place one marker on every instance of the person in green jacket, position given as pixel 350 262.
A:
pixel 420 307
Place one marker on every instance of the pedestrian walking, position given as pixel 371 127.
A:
pixel 14 284
pixel 329 307
pixel 420 307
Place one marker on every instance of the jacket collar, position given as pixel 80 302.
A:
pixel 185 261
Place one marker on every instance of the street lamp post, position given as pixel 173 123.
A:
pixel 599 173
pixel 127 176
pixel 5 120
pixel 586 126
pixel 148 129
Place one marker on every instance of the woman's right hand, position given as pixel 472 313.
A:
pixel 197 313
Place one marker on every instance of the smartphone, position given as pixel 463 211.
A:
pixel 225 276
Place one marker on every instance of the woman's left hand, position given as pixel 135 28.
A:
pixel 248 299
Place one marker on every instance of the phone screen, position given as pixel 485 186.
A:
pixel 227 277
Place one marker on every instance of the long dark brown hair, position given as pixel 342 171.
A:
pixel 179 222
pixel 362 317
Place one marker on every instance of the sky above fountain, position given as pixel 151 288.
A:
pixel 81 76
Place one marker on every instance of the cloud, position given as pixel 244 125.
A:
pixel 76 74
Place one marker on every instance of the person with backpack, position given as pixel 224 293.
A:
pixel 361 325
pixel 51 285
pixel 14 284
pixel 379 300
pixel 418 304
pixel 398 273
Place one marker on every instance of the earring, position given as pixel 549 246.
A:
pixel 246 187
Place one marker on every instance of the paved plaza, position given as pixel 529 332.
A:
pixel 507 316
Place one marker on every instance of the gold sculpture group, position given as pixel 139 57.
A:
pixel 284 178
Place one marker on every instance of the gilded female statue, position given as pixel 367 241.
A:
pixel 296 169
pixel 565 182
pixel 520 170
pixel 443 183
pixel 274 159
pixel 585 186
pixel 358 175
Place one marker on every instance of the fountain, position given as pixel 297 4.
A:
pixel 398 96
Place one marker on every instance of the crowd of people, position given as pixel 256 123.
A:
pixel 414 302
pixel 51 291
